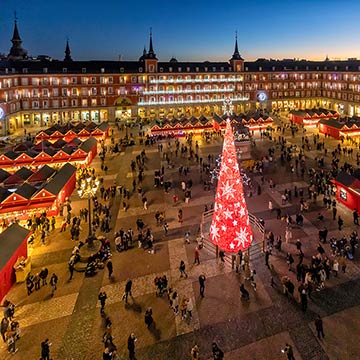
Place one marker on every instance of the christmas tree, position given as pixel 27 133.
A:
pixel 230 228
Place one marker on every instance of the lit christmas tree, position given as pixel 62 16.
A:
pixel 230 228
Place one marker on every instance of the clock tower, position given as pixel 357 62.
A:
pixel 237 62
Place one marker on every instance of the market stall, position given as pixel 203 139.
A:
pixel 13 245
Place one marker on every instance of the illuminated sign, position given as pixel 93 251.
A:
pixel 343 194
pixel 261 96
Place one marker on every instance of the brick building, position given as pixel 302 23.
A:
pixel 42 91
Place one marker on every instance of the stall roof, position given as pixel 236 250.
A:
pixel 24 173
pixel 3 175
pixel 10 240
pixel 42 174
pixel 26 191
pixel 103 126
pixel 88 144
pixel 4 194
pixel 60 179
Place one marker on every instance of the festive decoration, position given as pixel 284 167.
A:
pixel 230 228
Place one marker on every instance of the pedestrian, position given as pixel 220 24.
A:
pixel 128 287
pixel 166 227
pixel 335 267
pixel 238 260
pixel 253 279
pixel 53 222
pixel 4 328
pixel 334 211
pixel 195 353
pixel 303 300
pixel 218 354
pixel 102 298
pixel 131 346
pixel 71 268
pixel 45 350
pixel 340 222
pixel 189 308
pixel 356 217
pixel 222 257
pixel 53 283
pixel 148 317
pixel 289 260
pixel 289 352
pixel 43 275
pixel 202 280
pixel 267 256
pixel 109 266
pixel 197 256
pixel 244 293
pixel 180 216
pixel 182 269
pixel 319 327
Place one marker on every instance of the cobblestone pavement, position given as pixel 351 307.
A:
pixel 257 329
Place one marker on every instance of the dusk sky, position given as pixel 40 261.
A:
pixel 189 30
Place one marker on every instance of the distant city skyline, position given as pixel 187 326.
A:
pixel 188 30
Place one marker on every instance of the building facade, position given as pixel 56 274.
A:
pixel 42 91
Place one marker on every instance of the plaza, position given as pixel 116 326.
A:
pixel 257 329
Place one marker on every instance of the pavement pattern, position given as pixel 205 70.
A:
pixel 257 329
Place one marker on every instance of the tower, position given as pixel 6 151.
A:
pixel 67 52
pixel 151 60
pixel 236 61
pixel 16 51
pixel 143 56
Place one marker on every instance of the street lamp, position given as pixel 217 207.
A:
pixel 87 188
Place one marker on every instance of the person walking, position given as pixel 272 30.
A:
pixel 197 256
pixel 131 346
pixel 109 266
pixel 43 275
pixel 356 217
pixel 4 328
pixel 182 269
pixel 128 287
pixel 45 350
pixel 267 257
pixel 289 352
pixel 189 308
pixel 53 282
pixel 319 327
pixel 253 279
pixel 102 298
pixel 202 280
pixel 289 260
pixel 340 222
pixel 334 212
pixel 303 300
pixel 148 317
pixel 71 269
pixel 218 354
pixel 195 353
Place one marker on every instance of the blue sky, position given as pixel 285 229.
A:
pixel 189 30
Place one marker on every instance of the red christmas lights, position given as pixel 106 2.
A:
pixel 230 228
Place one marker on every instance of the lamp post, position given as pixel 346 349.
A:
pixel 87 189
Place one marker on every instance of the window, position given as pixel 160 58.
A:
pixel 110 90
pixel 214 68
pixel 170 69
pixel 121 69
pixel 84 91
pixel 93 91
pixel 84 102
pixel 179 69
pixel 45 81
pixel 35 81
pixel 24 70
pixel 93 102
pixel 102 80
pixel 74 102
pixel 64 81
pixel 64 70
pixel 83 70
pixel 45 104
pixel 45 70
pixel 151 68
pixel 64 103
pixel 188 69
pixel 24 81
pixel 35 92
pixel 45 92
pixel 140 69
pixel 102 70
pixel 64 92
pixel 74 80
pixel 103 101
pixel 93 80
pixel 103 91
pixel 161 69
pixel 55 103
pixel 197 69
pixel 133 79
pixel 55 92
pixel 74 91
pixel 35 104
pixel 111 80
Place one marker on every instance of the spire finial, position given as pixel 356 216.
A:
pixel 15 16
pixel 235 34
pixel 151 54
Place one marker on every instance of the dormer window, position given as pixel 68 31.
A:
pixel 102 70
pixel 179 69
pixel 140 69
pixel 64 70
pixel 260 68
pixel 161 69
pixel 83 70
